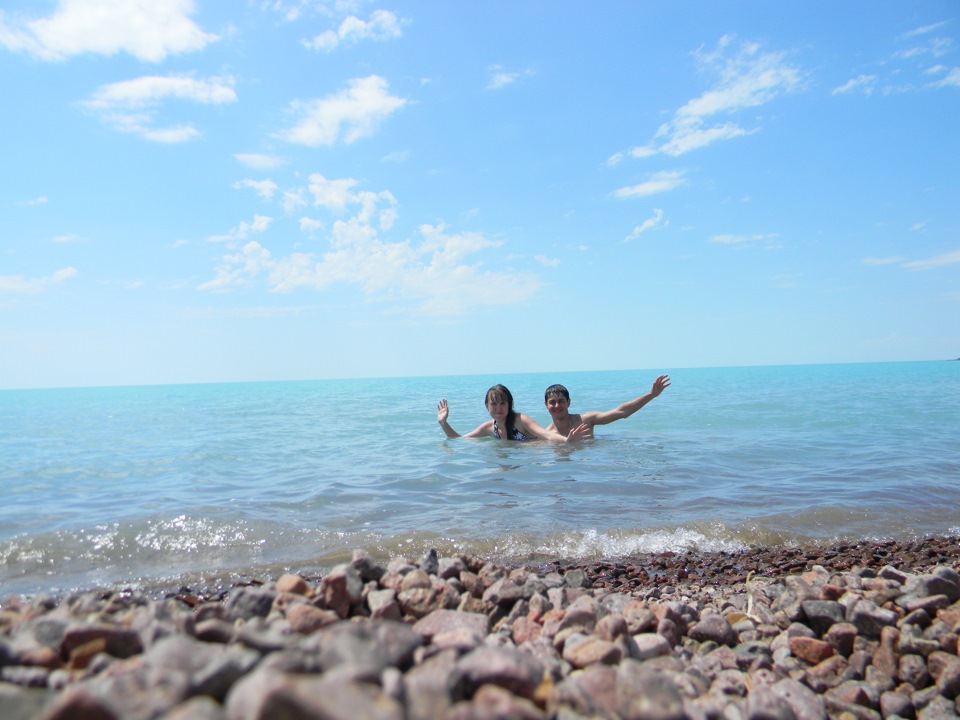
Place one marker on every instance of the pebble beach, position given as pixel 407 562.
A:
pixel 853 631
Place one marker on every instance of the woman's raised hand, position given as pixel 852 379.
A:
pixel 443 412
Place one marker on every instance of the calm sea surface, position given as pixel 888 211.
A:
pixel 159 486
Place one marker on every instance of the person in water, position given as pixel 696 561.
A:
pixel 557 400
pixel 506 423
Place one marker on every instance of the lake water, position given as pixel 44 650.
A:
pixel 159 486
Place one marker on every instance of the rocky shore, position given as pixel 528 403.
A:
pixel 859 631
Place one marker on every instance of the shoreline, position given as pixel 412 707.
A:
pixel 856 631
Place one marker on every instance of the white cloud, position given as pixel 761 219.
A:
pixel 950 258
pixel 349 115
pixel 658 183
pixel 42 200
pixel 310 226
pixel 243 230
pixel 923 30
pixel 433 275
pixel 130 105
pixel 882 261
pixel 397 156
pixel 257 161
pixel 29 286
pixel 147 29
pixel 382 25
pixel 864 83
pixel 239 268
pixel 745 240
pixel 547 261
pixel 332 194
pixel 500 77
pixel 264 188
pixel 646 225
pixel 746 78
pixel 292 200
pixel 68 238
pixel 952 79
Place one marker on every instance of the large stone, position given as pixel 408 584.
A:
pixel 377 645
pixel 341 589
pixel 443 620
pixel 714 628
pixel 509 668
pixel 644 694
pixel 278 696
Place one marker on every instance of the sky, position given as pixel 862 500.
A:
pixel 244 190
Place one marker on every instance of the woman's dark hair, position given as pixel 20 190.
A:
pixel 500 392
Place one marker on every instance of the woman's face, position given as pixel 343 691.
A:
pixel 498 407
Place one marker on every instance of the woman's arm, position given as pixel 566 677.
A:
pixel 528 426
pixel 443 412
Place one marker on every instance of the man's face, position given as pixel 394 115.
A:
pixel 557 405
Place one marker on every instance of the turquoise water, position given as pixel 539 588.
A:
pixel 166 485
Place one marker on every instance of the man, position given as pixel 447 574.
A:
pixel 557 400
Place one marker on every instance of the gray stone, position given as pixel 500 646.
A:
pixel 716 628
pixel 822 614
pixel 806 704
pixel 443 621
pixel 277 696
pixel 211 669
pixel 374 644
pixel 644 694
pixel 248 602
pixel 509 668
pixel 649 645
pixel 198 708
pixel 576 578
pixel 870 619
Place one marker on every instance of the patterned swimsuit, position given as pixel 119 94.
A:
pixel 513 435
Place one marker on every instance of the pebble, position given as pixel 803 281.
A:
pixel 852 632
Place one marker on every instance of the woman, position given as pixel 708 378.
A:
pixel 507 424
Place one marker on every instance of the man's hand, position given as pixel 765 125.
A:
pixel 659 385
pixel 580 432
pixel 443 412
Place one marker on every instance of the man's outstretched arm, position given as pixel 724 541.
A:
pixel 597 417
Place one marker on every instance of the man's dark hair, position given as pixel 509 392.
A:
pixel 556 390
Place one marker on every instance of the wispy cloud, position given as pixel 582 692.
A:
pixel 948 258
pixel 500 77
pixel 648 224
pixel 382 25
pixel 769 239
pixel 264 188
pixel 257 161
pixel 42 200
pixel 68 238
pixel 131 105
pixel 923 30
pixel 951 79
pixel 895 260
pixel 18 284
pixel 657 183
pixel 150 30
pixel 243 230
pixel 938 261
pixel 747 77
pixel 348 115
pixel 436 274
pixel 863 83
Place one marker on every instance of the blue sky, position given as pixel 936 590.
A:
pixel 198 191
